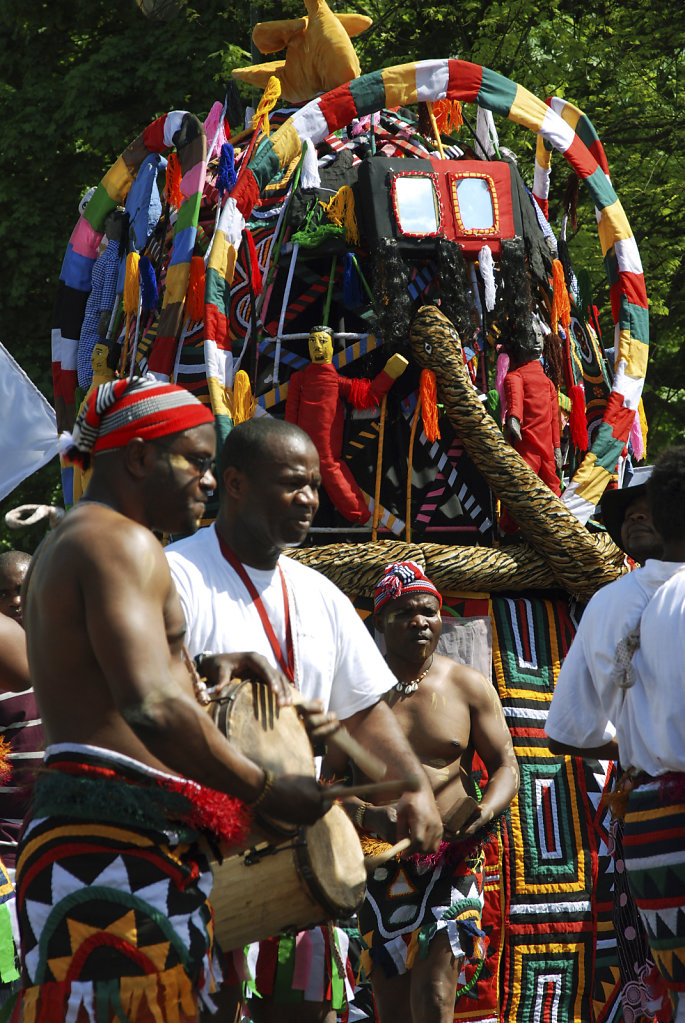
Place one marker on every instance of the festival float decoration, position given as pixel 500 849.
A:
pixel 367 211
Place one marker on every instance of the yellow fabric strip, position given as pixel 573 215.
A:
pixel 286 144
pixel 219 398
pixel 527 109
pixel 176 284
pixel 592 480
pixel 636 354
pixel 118 180
pixel 571 114
pixel 543 155
pixel 613 226
pixel 400 85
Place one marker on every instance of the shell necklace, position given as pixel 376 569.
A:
pixel 410 687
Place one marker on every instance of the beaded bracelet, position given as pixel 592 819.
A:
pixel 269 779
pixel 359 815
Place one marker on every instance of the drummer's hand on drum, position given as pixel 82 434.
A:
pixel 297 798
pixel 320 724
pixel 419 820
pixel 382 821
pixel 220 669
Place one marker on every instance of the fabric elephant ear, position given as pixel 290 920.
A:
pixel 259 74
pixel 354 24
pixel 271 36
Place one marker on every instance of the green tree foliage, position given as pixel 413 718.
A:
pixel 79 80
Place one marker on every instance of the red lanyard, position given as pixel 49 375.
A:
pixel 288 668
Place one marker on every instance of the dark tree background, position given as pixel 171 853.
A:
pixel 80 79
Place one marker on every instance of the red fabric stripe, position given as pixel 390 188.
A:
pixel 465 80
pixel 580 158
pixel 615 293
pixel 338 106
pixel 216 327
pixel 246 192
pixel 547 818
pixel 267 961
pixel 664 835
pixel 163 354
pixel 634 288
pixel 597 150
pixel 153 136
pixel 620 419
pixel 543 204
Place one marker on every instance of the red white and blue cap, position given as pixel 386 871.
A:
pixel 122 409
pixel 399 578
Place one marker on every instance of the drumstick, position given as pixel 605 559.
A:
pixel 375 788
pixel 371 765
pixel 371 862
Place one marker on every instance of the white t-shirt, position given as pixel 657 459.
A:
pixel 588 707
pixel 336 660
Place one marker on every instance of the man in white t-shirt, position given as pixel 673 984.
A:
pixel 621 690
pixel 239 592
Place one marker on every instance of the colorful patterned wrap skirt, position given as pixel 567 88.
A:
pixel 654 851
pixel 112 892
pixel 409 901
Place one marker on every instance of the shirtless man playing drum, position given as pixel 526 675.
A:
pixel 113 874
pixel 448 711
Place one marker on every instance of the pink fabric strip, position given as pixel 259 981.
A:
pixel 303 960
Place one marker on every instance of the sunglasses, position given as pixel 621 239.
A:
pixel 180 461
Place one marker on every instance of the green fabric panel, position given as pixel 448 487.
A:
pixel 368 93
pixel 600 189
pixel 8 969
pixel 188 213
pixel 283 983
pixel 496 92
pixel 265 165
pixel 586 132
pixel 98 207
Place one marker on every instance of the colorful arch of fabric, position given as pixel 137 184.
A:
pixel 455 79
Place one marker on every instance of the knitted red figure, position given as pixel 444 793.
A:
pixel 315 402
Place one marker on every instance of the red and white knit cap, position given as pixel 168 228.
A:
pixel 122 409
pixel 400 578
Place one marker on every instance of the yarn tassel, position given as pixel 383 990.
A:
pixel 577 421
pixel 352 287
pixel 309 176
pixel 256 279
pixel 561 306
pixel 195 294
pixel 428 392
pixel 172 191
pixel 487 272
pixel 448 115
pixel 503 362
pixel 268 101
pixel 243 402
pixel 226 176
pixel 148 285
pixel 131 284
pixel 340 211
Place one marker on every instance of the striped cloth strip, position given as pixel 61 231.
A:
pixel 454 79
pixel 193 159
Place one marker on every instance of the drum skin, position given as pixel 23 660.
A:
pixel 274 737
pixel 316 876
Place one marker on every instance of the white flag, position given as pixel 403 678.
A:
pixel 28 427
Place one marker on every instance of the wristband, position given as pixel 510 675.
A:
pixel 269 779
pixel 358 816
